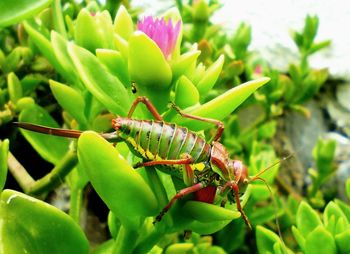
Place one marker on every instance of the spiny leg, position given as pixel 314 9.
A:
pixel 233 185
pixel 180 194
pixel 235 188
pixel 218 123
pixel 184 161
pixel 149 106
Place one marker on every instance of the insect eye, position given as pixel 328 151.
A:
pixel 133 88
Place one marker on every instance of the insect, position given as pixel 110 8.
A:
pixel 205 166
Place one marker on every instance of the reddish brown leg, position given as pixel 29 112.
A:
pixel 148 104
pixel 218 123
pixel 184 161
pixel 235 188
pixel 179 195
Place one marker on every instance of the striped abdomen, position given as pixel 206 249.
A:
pixel 155 140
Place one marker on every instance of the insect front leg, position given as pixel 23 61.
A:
pixel 149 105
pixel 233 185
pixel 219 124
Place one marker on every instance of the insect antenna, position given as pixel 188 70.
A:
pixel 253 178
pixel 275 207
pixel 113 136
pixel 258 177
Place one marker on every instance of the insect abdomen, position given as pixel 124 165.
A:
pixel 155 140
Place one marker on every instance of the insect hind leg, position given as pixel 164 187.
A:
pixel 219 124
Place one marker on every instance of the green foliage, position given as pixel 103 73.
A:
pixel 36 226
pixel 93 62
pixel 323 154
pixel 4 147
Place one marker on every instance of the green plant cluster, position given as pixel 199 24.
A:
pixel 94 61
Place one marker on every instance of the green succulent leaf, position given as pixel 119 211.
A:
pixel 179 248
pixel 118 184
pixel 206 228
pixel 97 79
pixel 44 45
pixel 70 100
pixel 186 94
pixel 299 238
pixel 147 64
pixel 269 242
pixel 49 147
pixel 60 48
pixel 344 207
pixel 342 240
pixel 221 106
pixel 115 63
pixel 307 219
pixel 210 77
pixel 36 227
pixel 320 236
pixel 13 12
pixel 14 87
pixel 94 30
pixel 184 63
pixel 123 24
pixel 4 148
pixel 333 210
pixel 204 212
pixel 347 187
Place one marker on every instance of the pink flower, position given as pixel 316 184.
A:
pixel 258 69
pixel 162 32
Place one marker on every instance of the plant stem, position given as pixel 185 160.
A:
pixel 125 241
pixel 56 176
pixel 149 242
pixel 19 172
pixel 76 199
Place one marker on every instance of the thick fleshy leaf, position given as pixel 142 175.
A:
pixel 4 148
pixel 117 183
pixel 307 219
pixel 123 24
pixel 14 87
pixel 115 63
pixel 342 240
pixel 28 225
pixel 44 46
pixel 94 30
pixel 49 147
pixel 186 94
pixel 103 85
pixel 147 64
pixel 60 44
pixel 206 228
pixel 221 106
pixel 70 100
pixel 205 212
pixel 267 240
pixel 183 63
pixel 348 188
pixel 299 238
pixel 13 12
pixel 179 248
pixel 320 241
pixel 332 209
pixel 210 77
